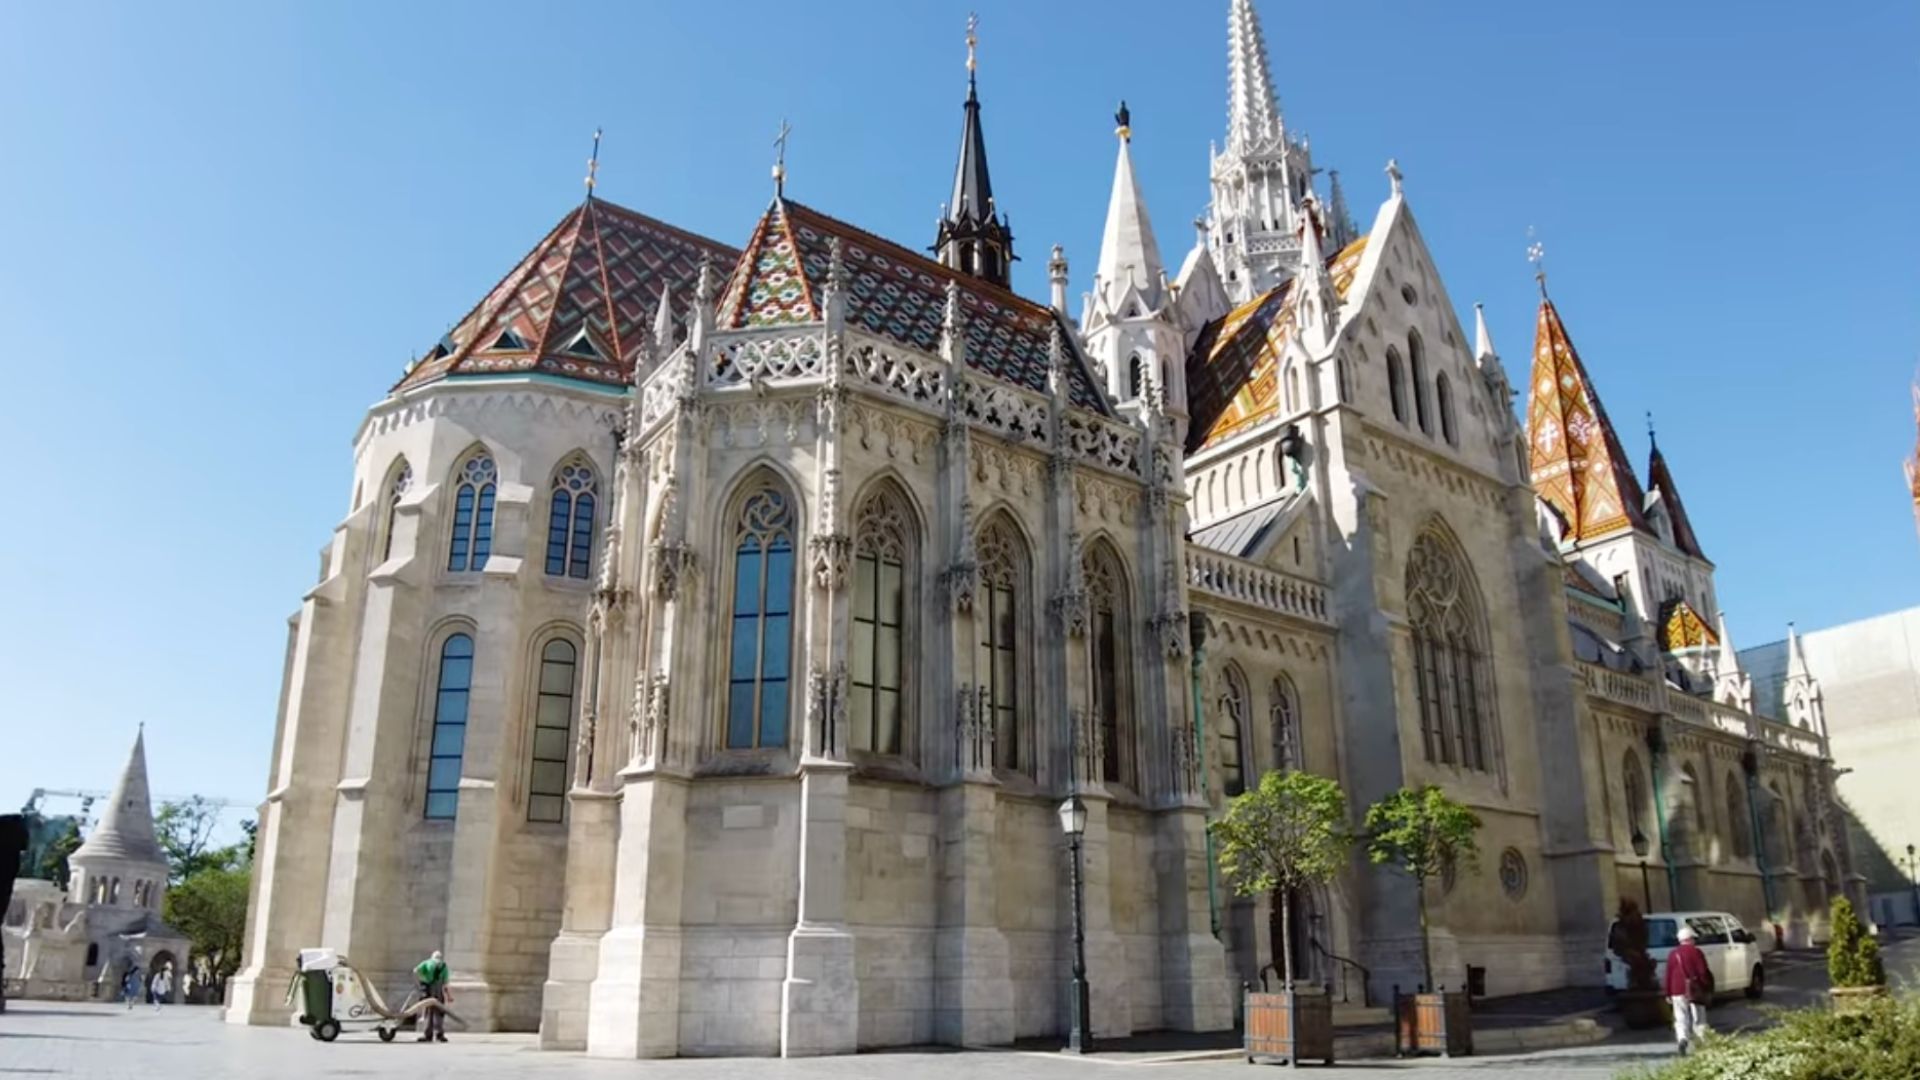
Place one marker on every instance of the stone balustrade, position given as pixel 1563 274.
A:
pixel 1234 579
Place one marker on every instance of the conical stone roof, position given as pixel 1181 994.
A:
pixel 125 831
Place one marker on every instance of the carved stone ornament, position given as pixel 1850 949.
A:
pixel 1070 606
pixel 672 564
pixel 973 730
pixel 831 555
pixel 1171 629
pixel 962 580
pixel 583 748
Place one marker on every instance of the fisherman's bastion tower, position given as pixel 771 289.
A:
pixel 713 633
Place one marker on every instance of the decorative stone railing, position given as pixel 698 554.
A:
pixel 660 389
pixel 764 356
pixel 1104 442
pixel 1787 737
pixel 1234 579
pixel 1618 687
pixel 877 364
pixel 1606 622
pixel 1642 693
pixel 1015 415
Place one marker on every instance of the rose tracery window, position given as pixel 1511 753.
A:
pixel 1003 574
pixel 882 542
pixel 761 639
pixel 570 522
pixel 473 514
pixel 1449 658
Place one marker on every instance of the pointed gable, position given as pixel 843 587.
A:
pixel 1574 457
pixel 600 271
pixel 125 831
pixel 1660 482
pixel 896 294
pixel 1233 372
pixel 1681 627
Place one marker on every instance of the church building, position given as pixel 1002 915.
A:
pixel 712 634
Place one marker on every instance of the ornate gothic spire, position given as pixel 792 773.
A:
pixel 1340 227
pixel 1731 685
pixel 973 237
pixel 1660 482
pixel 1574 458
pixel 1253 109
pixel 1482 341
pixel 125 831
pixel 1129 256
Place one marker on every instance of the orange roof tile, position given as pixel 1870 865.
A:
pixel 1575 460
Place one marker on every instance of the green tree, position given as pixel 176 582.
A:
pixel 210 908
pixel 1288 833
pixel 185 831
pixel 1853 956
pixel 1421 831
pixel 50 861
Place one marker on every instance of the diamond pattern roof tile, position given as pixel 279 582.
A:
pixel 1574 457
pixel 603 268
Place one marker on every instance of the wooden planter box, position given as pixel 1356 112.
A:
pixel 1848 999
pixel 1643 1009
pixel 1288 1026
pixel 1432 1024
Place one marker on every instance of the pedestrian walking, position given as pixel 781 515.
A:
pixel 432 974
pixel 132 984
pixel 161 988
pixel 1689 989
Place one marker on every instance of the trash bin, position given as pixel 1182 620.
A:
pixel 316 985
pixel 1476 981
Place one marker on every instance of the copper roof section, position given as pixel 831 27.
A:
pixel 894 293
pixel 1233 373
pixel 601 270
pixel 1574 458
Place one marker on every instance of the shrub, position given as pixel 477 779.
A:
pixel 1880 1041
pixel 1853 956
pixel 1630 942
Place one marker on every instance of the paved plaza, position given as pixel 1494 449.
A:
pixel 107 1042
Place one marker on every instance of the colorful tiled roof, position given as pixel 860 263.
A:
pixel 895 293
pixel 1233 373
pixel 1660 479
pixel 1681 627
pixel 1575 460
pixel 602 268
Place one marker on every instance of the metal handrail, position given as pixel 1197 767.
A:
pixel 1341 964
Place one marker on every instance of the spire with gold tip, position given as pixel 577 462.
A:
pixel 974 237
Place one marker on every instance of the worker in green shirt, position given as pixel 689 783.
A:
pixel 432 973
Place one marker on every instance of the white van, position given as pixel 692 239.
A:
pixel 1733 954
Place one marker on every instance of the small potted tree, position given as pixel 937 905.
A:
pixel 1288 833
pixel 1853 961
pixel 1421 831
pixel 1642 1005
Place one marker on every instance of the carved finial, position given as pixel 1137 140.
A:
pixel 593 165
pixel 973 40
pixel 1537 255
pixel 1394 177
pixel 780 158
pixel 1123 122
pixel 836 265
pixel 1651 441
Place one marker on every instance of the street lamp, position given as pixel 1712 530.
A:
pixel 1073 822
pixel 1911 884
pixel 1640 850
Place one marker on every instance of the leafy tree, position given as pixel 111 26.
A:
pixel 1288 833
pixel 50 861
pixel 210 907
pixel 185 831
pixel 1853 956
pixel 1421 831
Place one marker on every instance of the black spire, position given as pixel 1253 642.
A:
pixel 974 237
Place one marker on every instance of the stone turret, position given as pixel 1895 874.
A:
pixel 121 864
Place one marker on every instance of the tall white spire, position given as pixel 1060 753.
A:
pixel 1129 256
pixel 1482 341
pixel 125 832
pixel 1253 109
pixel 1806 706
pixel 1731 686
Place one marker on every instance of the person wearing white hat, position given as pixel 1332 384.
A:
pixel 1689 989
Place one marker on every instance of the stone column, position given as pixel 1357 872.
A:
pixel 1109 979
pixel 634 1002
pixel 973 988
pixel 820 999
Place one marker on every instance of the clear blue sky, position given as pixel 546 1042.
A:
pixel 227 227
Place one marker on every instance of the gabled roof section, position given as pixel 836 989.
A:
pixel 895 293
pixel 1681 627
pixel 1233 373
pixel 603 267
pixel 1575 461
pixel 1660 482
pixel 1245 534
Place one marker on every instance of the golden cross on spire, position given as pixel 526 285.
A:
pixel 593 163
pixel 1537 255
pixel 780 157
pixel 973 39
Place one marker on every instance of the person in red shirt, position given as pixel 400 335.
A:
pixel 1689 988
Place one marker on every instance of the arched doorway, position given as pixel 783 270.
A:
pixel 1303 930
pixel 164 961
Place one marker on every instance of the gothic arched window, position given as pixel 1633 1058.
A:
pixel 1418 358
pixel 761 641
pixel 396 490
pixel 882 543
pixel 1443 396
pixel 1135 373
pixel 1397 384
pixel 1284 715
pixel 1001 604
pixel 1293 388
pixel 1233 727
pixel 1778 839
pixel 570 522
pixel 1107 638
pixel 473 513
pixel 1739 827
pixel 1449 653
pixel 552 730
pixel 453 686
pixel 1633 784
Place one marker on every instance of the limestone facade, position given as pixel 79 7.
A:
pixel 885 562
